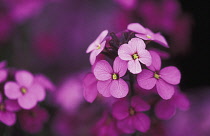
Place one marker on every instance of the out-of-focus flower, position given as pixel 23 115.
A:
pixel 134 52
pixel 127 4
pixel 110 82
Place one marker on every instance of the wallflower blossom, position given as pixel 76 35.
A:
pixel 7 111
pixel 164 79
pixel 134 52
pixel 24 90
pixel 110 82
pixel 165 109
pixel 3 71
pixel 97 46
pixel 147 34
pixel 129 115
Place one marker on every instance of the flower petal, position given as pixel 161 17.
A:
pixel 181 101
pixel 12 105
pixel 164 89
pixel 8 118
pixel 146 79
pixel 138 104
pixel 120 66
pixel 145 57
pixel 120 109
pixel 134 66
pixel 126 125
pixel 125 52
pixel 12 90
pixel 156 61
pixel 160 39
pixel 38 91
pixel 24 78
pixel 136 27
pixel 171 75
pixel 137 44
pixel 141 122
pixel 3 75
pixel 103 70
pixel 27 101
pixel 164 109
pixel 104 87
pixel 118 88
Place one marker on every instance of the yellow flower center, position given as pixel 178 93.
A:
pixel 135 56
pixel 148 36
pixel 132 111
pixel 156 75
pixel 98 47
pixel 23 90
pixel 115 76
pixel 2 107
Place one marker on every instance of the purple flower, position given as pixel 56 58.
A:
pixel 25 90
pixel 45 82
pixel 7 111
pixel 3 71
pixel 134 52
pixel 164 79
pixel 165 109
pixel 129 115
pixel 90 87
pixel 147 34
pixel 33 120
pixel 97 46
pixel 110 82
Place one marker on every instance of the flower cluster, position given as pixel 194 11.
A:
pixel 20 94
pixel 136 70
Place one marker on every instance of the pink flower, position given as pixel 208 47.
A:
pixel 7 112
pixel 24 90
pixel 45 82
pixel 3 71
pixel 90 87
pixel 165 109
pixel 147 34
pixel 129 115
pixel 164 79
pixel 33 120
pixel 134 52
pixel 97 46
pixel 110 82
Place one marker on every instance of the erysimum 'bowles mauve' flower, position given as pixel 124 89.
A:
pixel 164 79
pixel 25 90
pixel 129 115
pixel 97 46
pixel 134 52
pixel 165 109
pixel 110 82
pixel 7 111
pixel 147 34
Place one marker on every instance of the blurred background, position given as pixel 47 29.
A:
pixel 51 37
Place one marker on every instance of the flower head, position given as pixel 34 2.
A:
pixel 97 46
pixel 134 52
pixel 110 82
pixel 164 79
pixel 147 34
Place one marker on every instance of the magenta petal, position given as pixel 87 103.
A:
pixel 181 101
pixel 27 101
pixel 1 97
pixel 137 44
pixel 156 61
pixel 104 87
pixel 138 104
pixel 125 52
pixel 12 90
pixel 38 91
pixel 118 88
pixel 8 118
pixel 24 78
pixel 171 75
pixel 164 89
pixel 160 39
pixel 12 105
pixel 103 70
pixel 134 66
pixel 145 57
pixel 126 125
pixel 3 75
pixel 120 66
pixel 141 122
pixel 146 79
pixel 120 109
pixel 93 55
pixel 164 109
pixel 136 27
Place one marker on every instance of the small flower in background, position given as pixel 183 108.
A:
pixel 110 82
